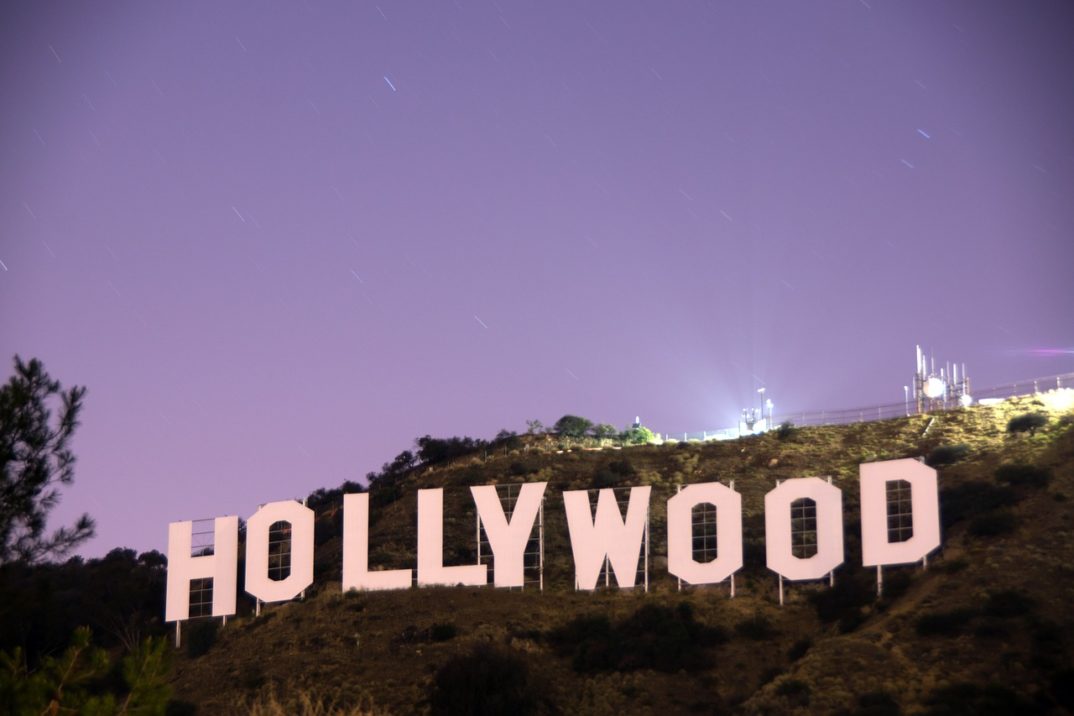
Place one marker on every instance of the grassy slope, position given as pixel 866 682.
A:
pixel 377 645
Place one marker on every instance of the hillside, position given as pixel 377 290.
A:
pixel 985 629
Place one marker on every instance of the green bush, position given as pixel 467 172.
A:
pixel 84 679
pixel 785 430
pixel 1027 423
pixel 604 431
pixel 487 680
pixel 1020 475
pixel 640 435
pixel 948 623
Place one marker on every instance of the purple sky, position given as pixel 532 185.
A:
pixel 278 243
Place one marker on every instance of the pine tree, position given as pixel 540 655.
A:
pixel 34 461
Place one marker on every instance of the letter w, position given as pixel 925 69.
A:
pixel 608 536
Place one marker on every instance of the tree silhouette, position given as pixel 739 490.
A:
pixel 572 426
pixel 34 461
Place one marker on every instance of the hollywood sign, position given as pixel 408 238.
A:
pixel 597 539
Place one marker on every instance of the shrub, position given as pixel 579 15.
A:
pixel 508 440
pixel 200 635
pixel 851 621
pixel 1020 475
pixel 947 623
pixel 1008 603
pixel 799 649
pixel 433 450
pixel 947 454
pixel 604 431
pixel 520 469
pixel 991 629
pixel 844 601
pixel 1027 422
pixel 785 430
pixel 968 699
pixel 640 435
pixel 605 478
pixel 85 679
pixel 877 703
pixel 971 499
pixel 896 582
pixel 1062 683
pixel 795 691
pixel 487 680
pixel 758 627
pixel 993 524
pixel 654 637
pixel 442 632
pixel 951 566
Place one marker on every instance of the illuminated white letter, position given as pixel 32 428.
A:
pixel 258 582
pixel 431 569
pixel 681 562
pixel 356 574
pixel 508 539
pixel 221 566
pixel 876 549
pixel 607 536
pixel 777 526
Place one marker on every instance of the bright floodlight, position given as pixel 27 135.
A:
pixel 934 388
pixel 965 400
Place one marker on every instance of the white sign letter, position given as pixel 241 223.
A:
pixel 508 539
pixel 876 549
pixel 681 562
pixel 258 582
pixel 221 566
pixel 828 500
pixel 431 569
pixel 606 537
pixel 356 574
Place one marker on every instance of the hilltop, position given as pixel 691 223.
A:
pixel 986 628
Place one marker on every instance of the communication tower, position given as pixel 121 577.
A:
pixel 939 390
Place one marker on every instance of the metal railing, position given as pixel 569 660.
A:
pixel 888 411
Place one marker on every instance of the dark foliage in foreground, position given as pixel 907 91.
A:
pixel 487 680
pixel 120 597
pixel 35 461
pixel 974 700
